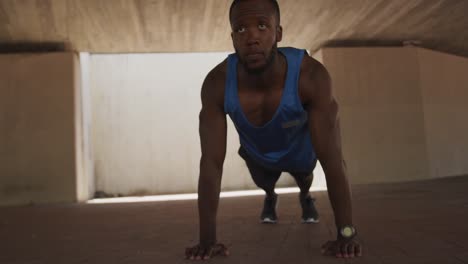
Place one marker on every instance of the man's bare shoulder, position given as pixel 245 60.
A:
pixel 313 78
pixel 216 77
pixel 213 86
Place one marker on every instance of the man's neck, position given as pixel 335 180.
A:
pixel 269 76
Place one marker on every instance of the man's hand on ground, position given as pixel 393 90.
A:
pixel 342 248
pixel 200 252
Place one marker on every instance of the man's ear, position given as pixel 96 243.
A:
pixel 279 33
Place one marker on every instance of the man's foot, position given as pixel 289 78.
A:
pixel 268 215
pixel 309 213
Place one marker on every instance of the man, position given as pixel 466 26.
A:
pixel 281 103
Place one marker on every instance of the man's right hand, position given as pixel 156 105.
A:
pixel 200 252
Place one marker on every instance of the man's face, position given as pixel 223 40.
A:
pixel 255 33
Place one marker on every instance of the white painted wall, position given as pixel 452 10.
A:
pixel 85 179
pixel 145 125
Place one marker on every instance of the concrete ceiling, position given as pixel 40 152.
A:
pixel 109 26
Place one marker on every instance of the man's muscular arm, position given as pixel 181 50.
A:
pixel 325 131
pixel 212 129
pixel 324 126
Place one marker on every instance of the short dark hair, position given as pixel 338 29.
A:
pixel 273 2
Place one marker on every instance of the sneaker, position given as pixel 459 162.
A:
pixel 309 213
pixel 268 215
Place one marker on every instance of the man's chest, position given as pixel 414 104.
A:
pixel 260 106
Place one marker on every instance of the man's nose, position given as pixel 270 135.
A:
pixel 252 37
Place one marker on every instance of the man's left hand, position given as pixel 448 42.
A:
pixel 342 248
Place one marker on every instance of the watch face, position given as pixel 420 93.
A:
pixel 347 231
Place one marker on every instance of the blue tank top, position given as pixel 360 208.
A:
pixel 284 142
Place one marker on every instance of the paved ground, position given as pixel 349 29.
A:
pixel 418 222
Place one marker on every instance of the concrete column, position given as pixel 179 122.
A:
pixel 38 128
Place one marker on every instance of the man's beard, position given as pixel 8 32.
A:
pixel 260 70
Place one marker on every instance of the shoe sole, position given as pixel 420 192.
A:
pixel 268 221
pixel 310 221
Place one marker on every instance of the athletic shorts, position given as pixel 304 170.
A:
pixel 258 169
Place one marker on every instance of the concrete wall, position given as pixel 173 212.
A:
pixel 381 112
pixel 145 124
pixel 403 115
pixel 403 112
pixel 444 86
pixel 38 161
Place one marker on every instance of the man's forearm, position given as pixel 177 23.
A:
pixel 338 191
pixel 209 185
pixel 326 134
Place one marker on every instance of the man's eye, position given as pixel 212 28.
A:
pixel 262 26
pixel 241 30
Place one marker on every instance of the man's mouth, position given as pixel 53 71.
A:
pixel 254 56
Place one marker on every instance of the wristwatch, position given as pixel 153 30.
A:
pixel 347 232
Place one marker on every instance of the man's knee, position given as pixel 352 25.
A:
pixel 303 176
pixel 263 178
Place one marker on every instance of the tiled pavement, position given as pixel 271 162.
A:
pixel 417 222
